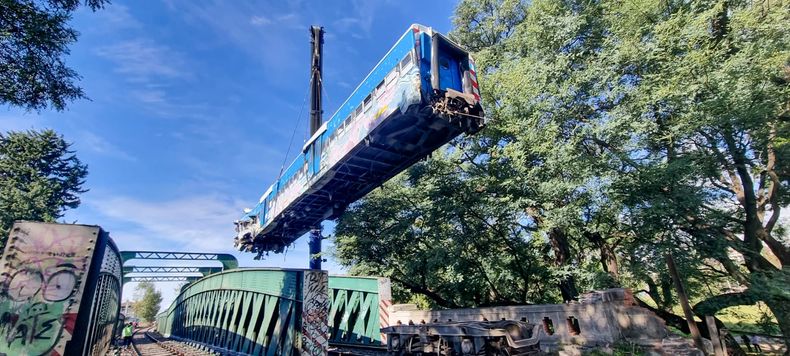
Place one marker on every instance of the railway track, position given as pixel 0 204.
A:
pixel 149 343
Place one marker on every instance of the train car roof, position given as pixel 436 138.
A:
pixel 412 27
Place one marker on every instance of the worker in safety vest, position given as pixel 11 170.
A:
pixel 128 330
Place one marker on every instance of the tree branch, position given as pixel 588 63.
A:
pixel 426 292
pixel 714 304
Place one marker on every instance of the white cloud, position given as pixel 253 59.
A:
pixel 194 223
pixel 117 17
pixel 360 23
pixel 161 102
pixel 288 17
pixel 255 40
pixel 149 96
pixel 191 223
pixel 259 20
pixel 100 145
pixel 142 60
pixel 19 122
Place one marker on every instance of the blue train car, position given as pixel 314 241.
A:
pixel 422 94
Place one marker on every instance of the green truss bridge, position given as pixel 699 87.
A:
pixel 259 311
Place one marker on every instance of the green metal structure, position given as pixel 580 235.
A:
pixel 259 311
pixel 205 271
pixel 227 260
pixel 160 279
pixel 253 311
pixel 358 310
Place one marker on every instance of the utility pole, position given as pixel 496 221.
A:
pixel 316 111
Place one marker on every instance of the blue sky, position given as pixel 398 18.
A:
pixel 192 105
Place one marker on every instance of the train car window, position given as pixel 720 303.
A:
pixel 405 61
pixel 358 110
pixel 367 102
pixel 391 76
pixel 380 86
pixel 444 63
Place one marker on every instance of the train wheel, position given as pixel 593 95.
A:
pixel 443 347
pixel 495 348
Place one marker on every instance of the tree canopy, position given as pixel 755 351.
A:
pixel 618 132
pixel 40 178
pixel 34 39
pixel 150 299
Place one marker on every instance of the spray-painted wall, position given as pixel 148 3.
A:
pixel 48 277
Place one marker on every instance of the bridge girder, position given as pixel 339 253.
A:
pixel 228 261
pixel 189 279
pixel 172 269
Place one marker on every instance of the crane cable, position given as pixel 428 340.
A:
pixel 293 134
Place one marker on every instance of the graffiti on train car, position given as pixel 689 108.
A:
pixel 43 267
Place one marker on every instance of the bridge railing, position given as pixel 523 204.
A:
pixel 253 311
pixel 359 308
pixel 247 310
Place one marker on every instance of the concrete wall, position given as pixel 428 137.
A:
pixel 600 318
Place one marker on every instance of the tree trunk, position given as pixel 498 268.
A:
pixel 781 310
pixel 608 257
pixel 684 302
pixel 713 331
pixel 562 253
pixel 676 321
pixel 609 260
pixel 666 291
pixel 652 290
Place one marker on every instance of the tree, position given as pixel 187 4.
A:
pixel 149 301
pixel 709 109
pixel 430 231
pixel 622 132
pixel 40 178
pixel 34 39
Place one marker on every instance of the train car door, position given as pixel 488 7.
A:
pixel 313 156
pixel 449 72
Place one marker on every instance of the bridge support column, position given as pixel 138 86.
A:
pixel 315 313
pixel 315 248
